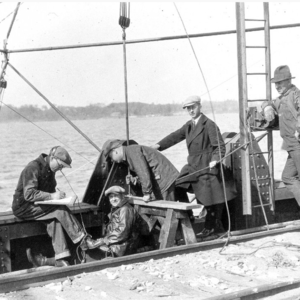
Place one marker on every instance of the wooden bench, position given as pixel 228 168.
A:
pixel 171 216
pixel 12 228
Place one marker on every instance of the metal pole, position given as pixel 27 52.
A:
pixel 269 98
pixel 126 89
pixel 159 39
pixel 242 79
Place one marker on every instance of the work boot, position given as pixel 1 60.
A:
pixel 39 260
pixel 88 243
pixel 61 263
pixel 205 232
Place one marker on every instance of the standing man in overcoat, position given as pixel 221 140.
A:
pixel 201 175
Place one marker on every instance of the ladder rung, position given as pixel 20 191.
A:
pixel 263 152
pixel 256 46
pixel 257 73
pixel 260 179
pixel 261 20
pixel 262 205
pixel 253 100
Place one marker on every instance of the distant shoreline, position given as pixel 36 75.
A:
pixel 114 110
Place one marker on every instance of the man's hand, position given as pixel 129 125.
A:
pixel 297 135
pixel 212 164
pixel 58 195
pixel 130 179
pixel 156 146
pixel 147 197
pixel 269 113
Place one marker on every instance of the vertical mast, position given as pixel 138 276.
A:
pixel 243 106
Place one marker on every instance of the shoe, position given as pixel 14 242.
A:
pixel 38 260
pixel 61 263
pixel 205 232
pixel 88 243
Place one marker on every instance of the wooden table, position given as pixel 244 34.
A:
pixel 171 216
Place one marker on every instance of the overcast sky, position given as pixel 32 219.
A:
pixel 158 72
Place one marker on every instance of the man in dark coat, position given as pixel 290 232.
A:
pixel 202 173
pixel 155 172
pixel 37 183
pixel 121 234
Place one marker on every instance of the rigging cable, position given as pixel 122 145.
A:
pixel 44 130
pixel 217 133
pixel 56 109
pixel 124 22
pixel 255 175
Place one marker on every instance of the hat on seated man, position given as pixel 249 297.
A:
pixel 191 101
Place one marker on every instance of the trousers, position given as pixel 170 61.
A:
pixel 58 221
pixel 290 173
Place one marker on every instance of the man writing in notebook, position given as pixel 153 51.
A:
pixel 37 183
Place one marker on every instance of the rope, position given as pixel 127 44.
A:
pixel 83 260
pixel 217 133
pixel 1 101
pixel 124 22
pixel 13 20
pixel 10 13
pixel 256 180
pixel 56 109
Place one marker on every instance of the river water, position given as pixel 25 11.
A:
pixel 22 142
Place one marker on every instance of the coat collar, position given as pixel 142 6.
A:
pixel 199 128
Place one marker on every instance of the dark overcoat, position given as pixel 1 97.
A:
pixel 204 144
pixel 156 173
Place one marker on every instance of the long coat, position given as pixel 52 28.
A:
pixel 204 144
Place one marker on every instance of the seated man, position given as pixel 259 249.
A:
pixel 122 230
pixel 155 172
pixel 37 183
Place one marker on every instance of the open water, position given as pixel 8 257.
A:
pixel 23 142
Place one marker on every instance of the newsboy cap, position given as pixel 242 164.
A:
pixel 282 73
pixel 110 145
pixel 114 190
pixel 63 155
pixel 191 101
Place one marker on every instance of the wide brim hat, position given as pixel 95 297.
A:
pixel 282 73
pixel 191 101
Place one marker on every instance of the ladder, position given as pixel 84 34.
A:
pixel 246 156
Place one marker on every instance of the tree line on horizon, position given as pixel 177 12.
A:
pixel 96 111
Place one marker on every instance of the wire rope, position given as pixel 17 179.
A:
pixel 43 130
pixel 212 109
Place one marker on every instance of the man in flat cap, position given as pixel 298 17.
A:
pixel 287 107
pixel 121 234
pixel 37 183
pixel 154 172
pixel 205 147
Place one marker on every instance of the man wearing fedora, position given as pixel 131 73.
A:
pixel 201 175
pixel 37 183
pixel 287 107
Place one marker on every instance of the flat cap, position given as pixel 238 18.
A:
pixel 110 145
pixel 114 190
pixel 63 155
pixel 191 101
